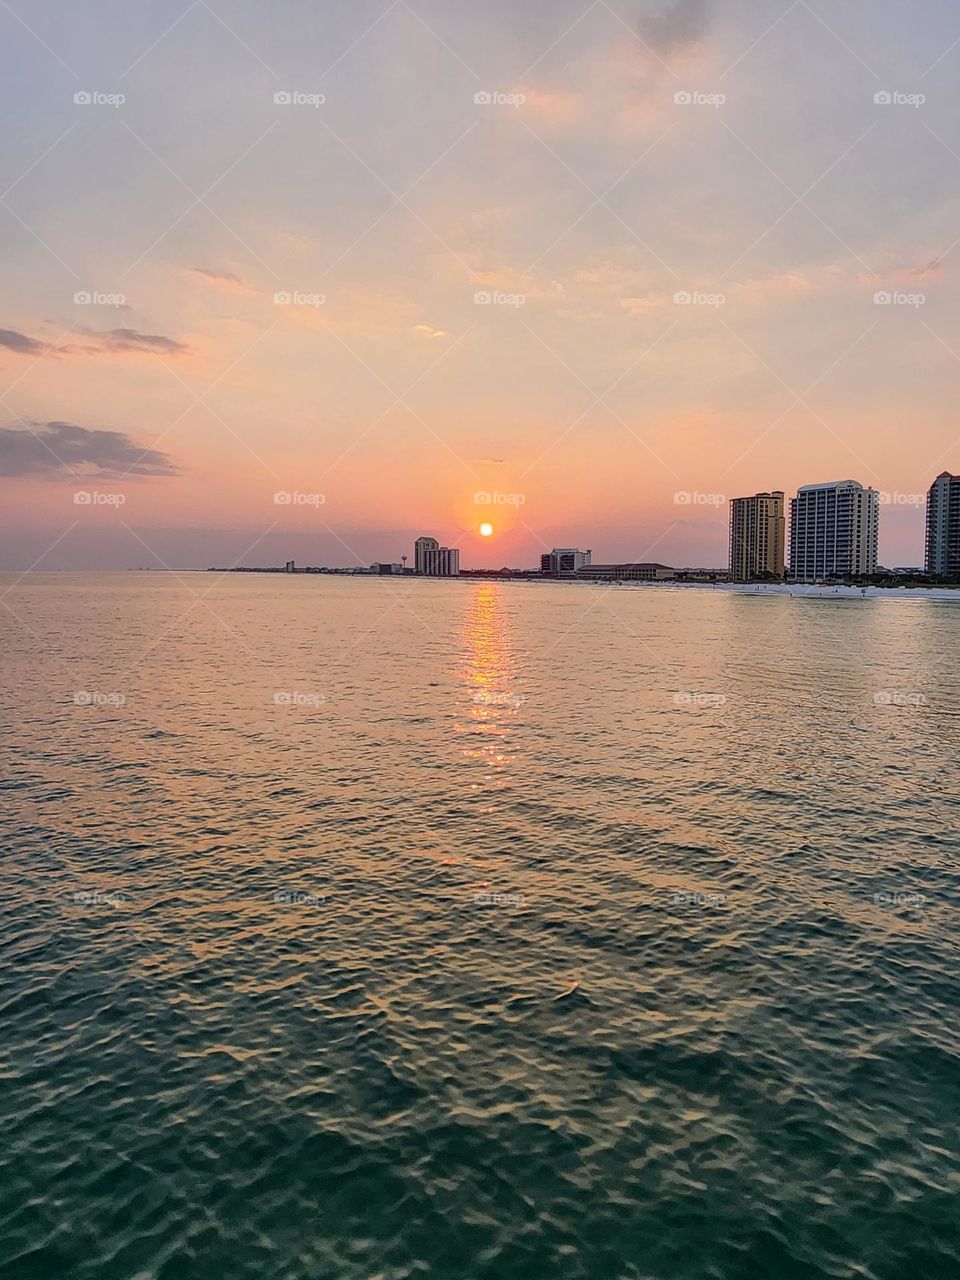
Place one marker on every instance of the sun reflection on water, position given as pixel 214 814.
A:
pixel 489 669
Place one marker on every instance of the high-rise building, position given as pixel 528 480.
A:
pixel 757 530
pixel 564 560
pixel 434 561
pixel 833 531
pixel 943 526
pixel 421 547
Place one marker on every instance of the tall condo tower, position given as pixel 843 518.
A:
pixel 757 532
pixel 833 531
pixel 943 526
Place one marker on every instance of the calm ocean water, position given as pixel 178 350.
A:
pixel 369 930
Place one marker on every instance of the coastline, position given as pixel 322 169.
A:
pixel 799 589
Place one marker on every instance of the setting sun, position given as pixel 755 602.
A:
pixel 486 530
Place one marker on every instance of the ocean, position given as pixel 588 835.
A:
pixel 360 929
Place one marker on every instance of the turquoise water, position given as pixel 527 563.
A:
pixel 373 930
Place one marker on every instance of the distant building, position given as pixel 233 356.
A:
pixel 704 575
pixel 563 560
pixel 833 531
pixel 386 570
pixel 420 549
pixel 757 530
pixel 943 526
pixel 290 567
pixel 434 561
pixel 644 572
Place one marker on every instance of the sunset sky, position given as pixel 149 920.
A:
pixel 584 197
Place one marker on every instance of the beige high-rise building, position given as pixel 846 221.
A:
pixel 434 561
pixel 757 536
pixel 833 531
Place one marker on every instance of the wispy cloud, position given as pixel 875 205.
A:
pixel 133 340
pixel 20 343
pixel 108 342
pixel 227 280
pixel 54 449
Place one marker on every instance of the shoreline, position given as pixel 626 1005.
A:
pixel 807 590
pixel 946 594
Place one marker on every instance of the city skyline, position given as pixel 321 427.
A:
pixel 587 202
pixel 833 532
pixel 762 542
pixel 106 499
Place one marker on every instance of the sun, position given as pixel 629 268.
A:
pixel 486 530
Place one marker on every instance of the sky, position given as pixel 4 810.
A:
pixel 310 279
